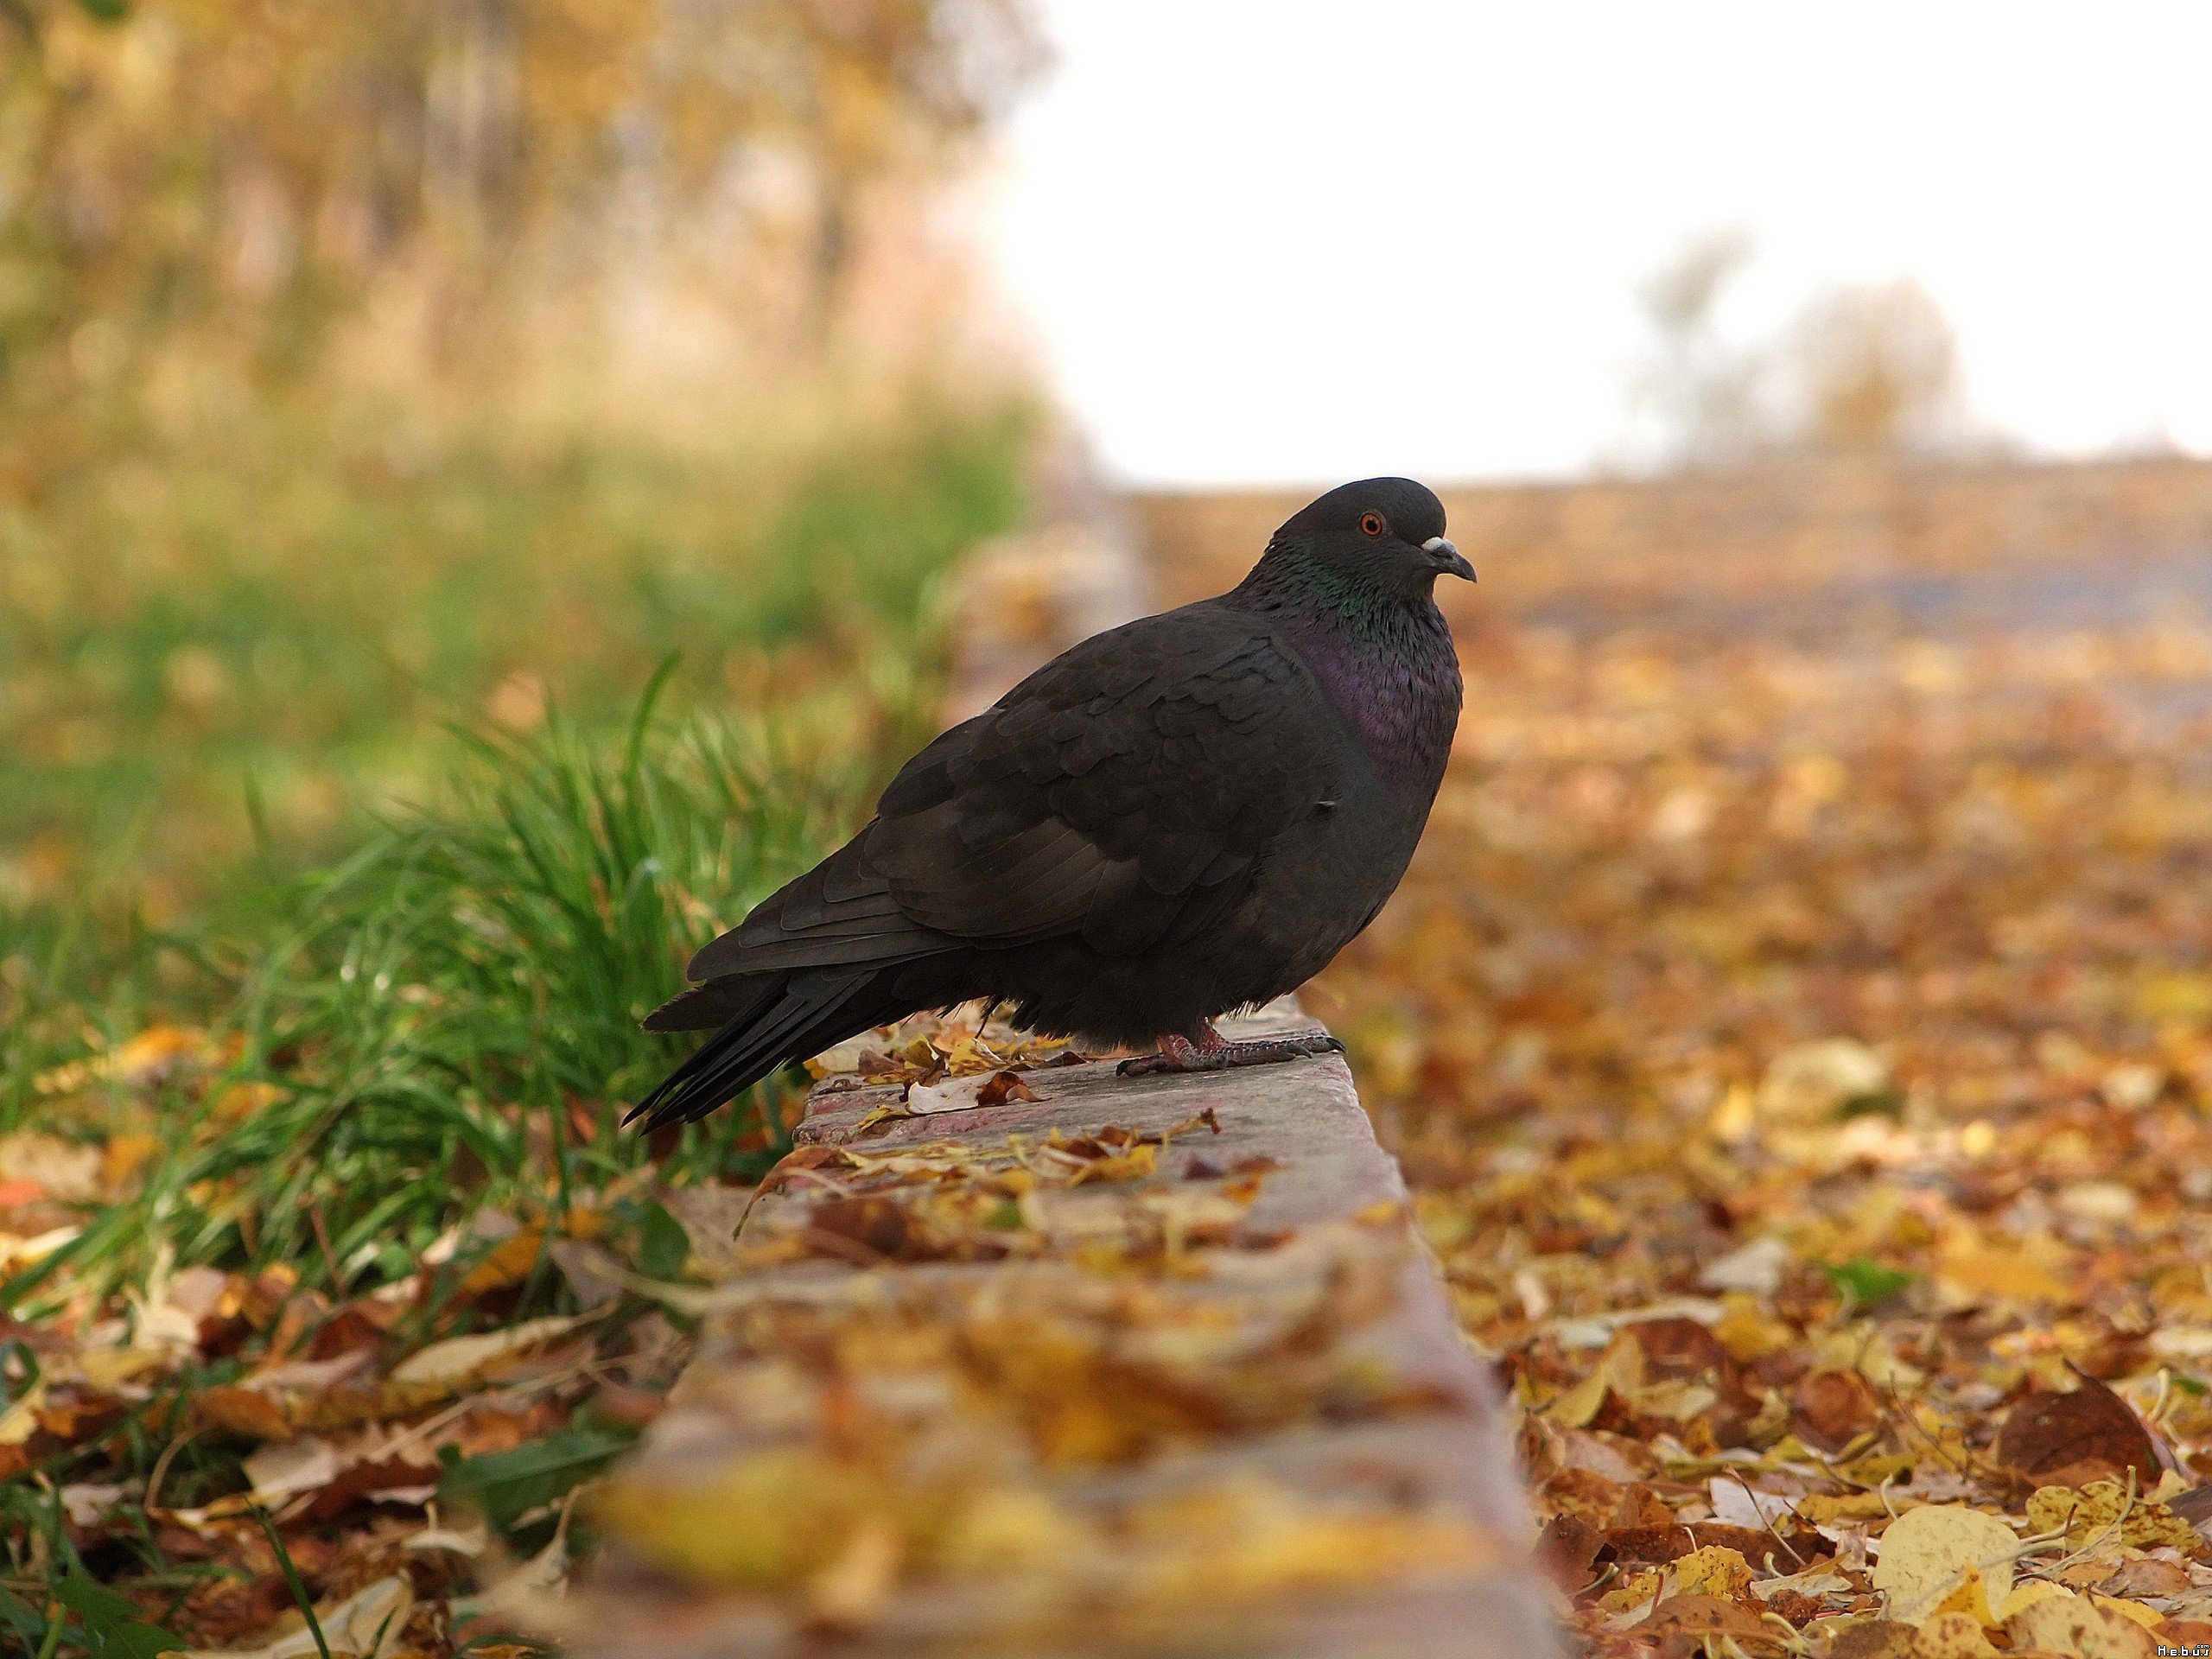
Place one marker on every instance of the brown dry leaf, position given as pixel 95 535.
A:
pixel 2069 1439
pixel 408 1477
pixel 1831 1408
pixel 1606 1504
pixel 881 1227
pixel 1702 1616
pixel 1002 1087
pixel 2148 1576
pixel 367 1624
pixel 242 1411
pixel 1872 1638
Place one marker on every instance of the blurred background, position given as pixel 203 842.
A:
pixel 320 331
pixel 487 487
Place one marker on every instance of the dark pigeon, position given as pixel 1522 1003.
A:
pixel 1186 815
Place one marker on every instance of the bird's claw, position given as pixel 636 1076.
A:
pixel 1186 1056
pixel 1156 1065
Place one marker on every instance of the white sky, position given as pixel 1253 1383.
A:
pixel 1279 241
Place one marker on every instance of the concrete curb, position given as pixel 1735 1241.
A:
pixel 1395 1434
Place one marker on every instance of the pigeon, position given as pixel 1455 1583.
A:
pixel 1187 815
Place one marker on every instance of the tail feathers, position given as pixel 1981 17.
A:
pixel 717 1003
pixel 786 1019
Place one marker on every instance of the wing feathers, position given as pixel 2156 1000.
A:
pixel 1130 785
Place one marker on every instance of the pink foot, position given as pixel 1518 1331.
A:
pixel 1214 1053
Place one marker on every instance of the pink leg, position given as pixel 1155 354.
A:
pixel 1214 1053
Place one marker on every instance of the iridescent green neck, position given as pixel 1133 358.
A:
pixel 1291 572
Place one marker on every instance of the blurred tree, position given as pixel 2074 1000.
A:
pixel 1701 389
pixel 245 166
pixel 1860 368
pixel 1878 368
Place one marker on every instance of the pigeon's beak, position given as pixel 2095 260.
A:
pixel 1450 561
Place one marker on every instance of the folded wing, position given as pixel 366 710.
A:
pixel 1126 792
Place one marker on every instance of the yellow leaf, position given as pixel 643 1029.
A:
pixel 154 1049
pixel 2103 1511
pixel 19 1422
pixel 761 1520
pixel 2026 1595
pixel 126 1154
pixel 1928 1551
pixel 1714 1570
pixel 1823 1511
pixel 2149 1617
pixel 2063 1622
pixel 857 1582
pixel 459 1360
pixel 110 1368
pixel 1951 1635
pixel 1621 1370
pixel 240 1101
pixel 1980 1270
pixel 1969 1596
pixel 1636 1590
pixel 1748 1333
pixel 507 1262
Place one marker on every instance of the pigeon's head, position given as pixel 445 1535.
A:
pixel 1380 535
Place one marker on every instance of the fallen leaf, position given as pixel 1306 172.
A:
pixel 459 1360
pixel 1951 1635
pixel 242 1411
pixel 283 1471
pixel 1710 1616
pixel 124 1156
pixel 1812 1080
pixel 1926 1553
pixel 1831 1408
pixel 2106 1512
pixel 57 1168
pixel 1755 1267
pixel 1711 1571
pixel 2089 1434
pixel 2067 1624
pixel 1981 1271
pixel 366 1625
pixel 1872 1638
pixel 1002 1087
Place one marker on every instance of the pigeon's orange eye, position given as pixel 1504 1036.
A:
pixel 1370 524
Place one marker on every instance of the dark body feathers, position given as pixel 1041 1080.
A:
pixel 1182 816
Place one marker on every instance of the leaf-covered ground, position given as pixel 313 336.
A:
pixel 1796 1031
pixel 327 1270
